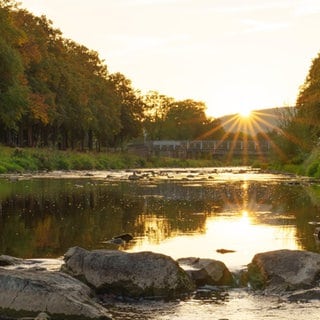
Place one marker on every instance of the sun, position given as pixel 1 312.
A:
pixel 245 113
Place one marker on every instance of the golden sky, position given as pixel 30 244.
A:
pixel 232 54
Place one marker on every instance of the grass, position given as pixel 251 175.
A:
pixel 310 166
pixel 19 160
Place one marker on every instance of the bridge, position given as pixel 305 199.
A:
pixel 197 148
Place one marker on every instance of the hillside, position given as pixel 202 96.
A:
pixel 263 120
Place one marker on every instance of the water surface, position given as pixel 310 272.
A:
pixel 180 213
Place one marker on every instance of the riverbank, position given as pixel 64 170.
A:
pixel 21 160
pixel 310 166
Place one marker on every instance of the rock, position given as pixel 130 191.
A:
pixel 138 274
pixel 305 295
pixel 125 237
pixel 28 292
pixel 37 264
pixel 224 251
pixel 9 261
pixel 134 176
pixel 121 239
pixel 206 271
pixel 284 270
pixel 317 233
pixel 117 241
pixel 42 316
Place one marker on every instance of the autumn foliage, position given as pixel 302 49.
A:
pixel 57 93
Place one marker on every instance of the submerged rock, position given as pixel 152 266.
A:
pixel 125 237
pixel 284 270
pixel 129 274
pixel 206 271
pixel 28 292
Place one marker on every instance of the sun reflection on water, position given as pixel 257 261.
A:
pixel 237 231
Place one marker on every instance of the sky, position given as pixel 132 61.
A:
pixel 234 55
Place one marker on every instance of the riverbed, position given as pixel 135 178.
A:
pixel 178 212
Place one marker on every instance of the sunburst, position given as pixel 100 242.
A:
pixel 245 113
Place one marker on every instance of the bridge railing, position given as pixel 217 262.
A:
pixel 182 148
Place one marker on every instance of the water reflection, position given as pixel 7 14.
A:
pixel 44 217
pixel 238 233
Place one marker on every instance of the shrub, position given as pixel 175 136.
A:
pixel 312 169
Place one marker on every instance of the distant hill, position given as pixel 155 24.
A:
pixel 263 120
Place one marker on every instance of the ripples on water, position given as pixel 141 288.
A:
pixel 176 212
pixel 239 305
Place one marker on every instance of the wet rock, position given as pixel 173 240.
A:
pixel 206 271
pixel 317 233
pixel 121 239
pixel 128 274
pixel 27 292
pixel 134 176
pixel 284 270
pixel 125 237
pixel 224 251
pixel 216 294
pixel 305 295
pixel 42 316
pixel 9 261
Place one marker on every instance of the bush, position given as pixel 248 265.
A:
pixel 61 164
pixel 312 169
pixel 82 162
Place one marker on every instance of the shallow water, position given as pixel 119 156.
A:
pixel 239 304
pixel 176 212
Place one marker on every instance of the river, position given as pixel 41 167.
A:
pixel 178 212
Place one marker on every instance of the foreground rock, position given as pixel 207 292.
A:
pixel 6 261
pixel 284 270
pixel 29 292
pixel 305 295
pixel 138 274
pixel 207 271
pixel 9 262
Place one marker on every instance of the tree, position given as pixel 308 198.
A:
pixel 308 103
pixel 157 107
pixel 186 120
pixel 131 108
pixel 13 89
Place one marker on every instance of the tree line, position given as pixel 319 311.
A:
pixel 300 129
pixel 58 93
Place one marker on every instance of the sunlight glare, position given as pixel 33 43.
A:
pixel 245 113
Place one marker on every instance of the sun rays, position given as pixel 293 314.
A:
pixel 249 133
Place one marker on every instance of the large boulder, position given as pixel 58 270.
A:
pixel 206 271
pixel 128 274
pixel 28 292
pixel 284 270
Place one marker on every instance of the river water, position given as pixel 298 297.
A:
pixel 178 212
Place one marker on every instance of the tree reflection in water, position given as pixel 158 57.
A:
pixel 44 217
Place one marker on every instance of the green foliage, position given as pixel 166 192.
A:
pixel 26 160
pixel 308 102
pixel 167 119
pixel 312 169
pixel 57 93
